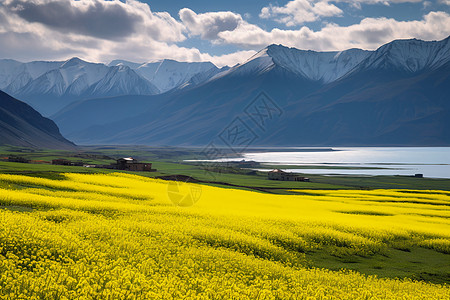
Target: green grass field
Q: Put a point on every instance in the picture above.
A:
(169, 161)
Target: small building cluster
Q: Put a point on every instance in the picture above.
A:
(278, 174)
(131, 164)
(126, 164)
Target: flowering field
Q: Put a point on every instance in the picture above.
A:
(120, 236)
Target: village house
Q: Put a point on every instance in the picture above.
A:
(131, 164)
(278, 174)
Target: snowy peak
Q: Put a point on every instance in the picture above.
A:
(71, 78)
(410, 55)
(168, 74)
(50, 83)
(119, 62)
(73, 62)
(325, 67)
(317, 66)
(171, 74)
(122, 80)
(37, 68)
(49, 86)
(258, 63)
(62, 82)
(15, 75)
(55, 84)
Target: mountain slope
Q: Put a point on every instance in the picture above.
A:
(320, 66)
(373, 109)
(21, 125)
(121, 80)
(180, 115)
(408, 56)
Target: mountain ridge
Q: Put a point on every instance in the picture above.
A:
(49, 86)
(351, 97)
(366, 106)
(167, 74)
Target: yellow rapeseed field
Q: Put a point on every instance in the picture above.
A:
(119, 236)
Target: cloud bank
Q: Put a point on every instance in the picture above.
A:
(100, 30)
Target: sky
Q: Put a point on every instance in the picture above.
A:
(223, 32)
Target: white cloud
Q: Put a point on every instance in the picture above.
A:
(300, 11)
(357, 3)
(385, 2)
(446, 2)
(110, 20)
(209, 25)
(370, 33)
(96, 30)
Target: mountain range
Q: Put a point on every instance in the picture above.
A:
(396, 95)
(50, 86)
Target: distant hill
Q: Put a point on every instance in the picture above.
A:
(397, 95)
(21, 125)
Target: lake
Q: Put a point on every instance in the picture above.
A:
(433, 162)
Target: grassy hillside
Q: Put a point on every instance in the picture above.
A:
(120, 236)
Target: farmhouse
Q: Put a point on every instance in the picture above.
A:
(61, 162)
(278, 174)
(131, 164)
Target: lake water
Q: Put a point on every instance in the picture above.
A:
(431, 161)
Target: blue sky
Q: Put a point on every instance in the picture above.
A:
(224, 32)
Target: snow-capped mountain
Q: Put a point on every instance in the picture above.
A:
(343, 98)
(324, 67)
(71, 78)
(49, 86)
(168, 74)
(76, 77)
(403, 73)
(122, 80)
(15, 75)
(318, 66)
(409, 56)
(405, 55)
